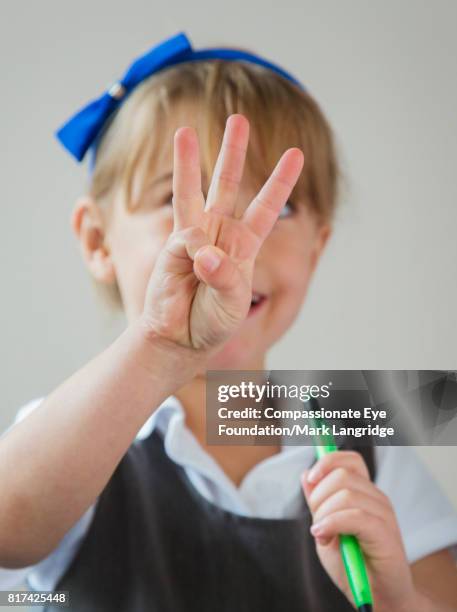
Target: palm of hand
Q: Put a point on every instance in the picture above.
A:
(234, 238)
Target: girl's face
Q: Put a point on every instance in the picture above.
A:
(283, 267)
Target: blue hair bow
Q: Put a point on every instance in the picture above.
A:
(82, 130)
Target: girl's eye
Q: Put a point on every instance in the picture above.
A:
(287, 210)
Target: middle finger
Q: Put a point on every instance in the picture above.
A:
(339, 479)
(228, 170)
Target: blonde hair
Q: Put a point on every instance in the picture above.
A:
(281, 115)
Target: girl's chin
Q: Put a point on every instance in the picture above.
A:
(236, 355)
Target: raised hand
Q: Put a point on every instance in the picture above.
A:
(201, 286)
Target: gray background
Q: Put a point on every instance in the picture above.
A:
(385, 294)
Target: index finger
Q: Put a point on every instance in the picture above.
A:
(263, 211)
(351, 460)
(188, 200)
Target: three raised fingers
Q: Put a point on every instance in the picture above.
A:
(188, 200)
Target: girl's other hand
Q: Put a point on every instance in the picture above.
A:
(201, 286)
(343, 499)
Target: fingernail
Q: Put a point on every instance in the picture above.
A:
(209, 260)
(317, 529)
(313, 475)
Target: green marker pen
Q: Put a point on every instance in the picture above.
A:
(351, 552)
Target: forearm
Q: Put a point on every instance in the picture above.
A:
(422, 601)
(428, 603)
(54, 463)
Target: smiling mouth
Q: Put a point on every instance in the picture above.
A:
(258, 299)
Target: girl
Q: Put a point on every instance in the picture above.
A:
(109, 489)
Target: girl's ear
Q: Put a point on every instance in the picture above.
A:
(88, 226)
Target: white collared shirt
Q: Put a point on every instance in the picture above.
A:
(427, 519)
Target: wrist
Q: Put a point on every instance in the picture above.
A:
(162, 359)
(420, 602)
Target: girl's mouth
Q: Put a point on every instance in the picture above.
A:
(256, 302)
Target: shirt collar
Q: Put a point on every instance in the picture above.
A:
(170, 417)
(161, 418)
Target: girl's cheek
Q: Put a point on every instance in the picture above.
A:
(134, 264)
(293, 267)
(144, 264)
